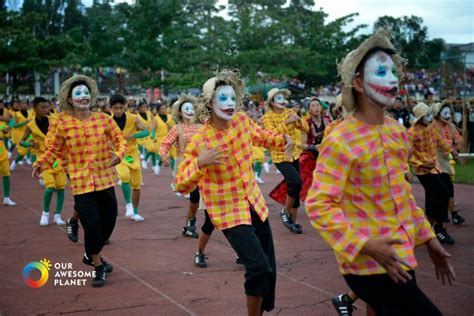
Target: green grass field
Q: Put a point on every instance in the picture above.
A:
(465, 173)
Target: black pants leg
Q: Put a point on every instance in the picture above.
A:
(207, 228)
(291, 174)
(97, 213)
(388, 298)
(194, 196)
(254, 246)
(436, 196)
(448, 183)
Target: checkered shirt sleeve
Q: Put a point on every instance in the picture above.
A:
(229, 188)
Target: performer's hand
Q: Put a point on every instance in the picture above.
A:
(36, 173)
(289, 145)
(381, 251)
(209, 156)
(114, 160)
(165, 160)
(439, 256)
(292, 118)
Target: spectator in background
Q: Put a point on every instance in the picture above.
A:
(470, 127)
(400, 113)
(457, 106)
(429, 98)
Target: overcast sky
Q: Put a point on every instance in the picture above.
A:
(452, 20)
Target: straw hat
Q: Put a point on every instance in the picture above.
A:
(175, 107)
(272, 93)
(420, 110)
(347, 67)
(66, 89)
(228, 76)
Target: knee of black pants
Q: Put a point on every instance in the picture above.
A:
(194, 196)
(258, 285)
(207, 228)
(294, 187)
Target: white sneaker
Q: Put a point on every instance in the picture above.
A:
(21, 162)
(8, 202)
(142, 156)
(13, 165)
(278, 172)
(156, 170)
(129, 210)
(119, 182)
(9, 154)
(172, 173)
(44, 221)
(41, 182)
(138, 218)
(144, 165)
(58, 220)
(259, 180)
(28, 161)
(266, 167)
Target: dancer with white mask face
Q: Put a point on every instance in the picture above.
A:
(219, 159)
(84, 138)
(361, 203)
(443, 123)
(279, 119)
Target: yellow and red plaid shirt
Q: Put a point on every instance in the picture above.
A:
(424, 140)
(229, 188)
(172, 137)
(450, 133)
(86, 146)
(359, 192)
(275, 122)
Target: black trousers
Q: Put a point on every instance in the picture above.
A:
(448, 183)
(97, 212)
(436, 196)
(208, 227)
(291, 174)
(194, 196)
(389, 298)
(254, 246)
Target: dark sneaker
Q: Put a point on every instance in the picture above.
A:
(238, 260)
(72, 227)
(190, 230)
(458, 219)
(200, 260)
(108, 267)
(444, 237)
(342, 307)
(297, 229)
(286, 219)
(100, 276)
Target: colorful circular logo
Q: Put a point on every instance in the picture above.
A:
(42, 268)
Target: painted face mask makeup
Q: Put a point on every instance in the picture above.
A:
(428, 118)
(187, 110)
(279, 101)
(81, 97)
(381, 79)
(445, 114)
(224, 102)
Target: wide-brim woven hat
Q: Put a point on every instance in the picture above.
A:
(420, 110)
(227, 76)
(273, 92)
(175, 107)
(347, 67)
(66, 89)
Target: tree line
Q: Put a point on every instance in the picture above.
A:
(190, 39)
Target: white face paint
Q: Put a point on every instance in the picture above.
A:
(381, 79)
(187, 110)
(428, 118)
(445, 114)
(81, 97)
(224, 102)
(279, 101)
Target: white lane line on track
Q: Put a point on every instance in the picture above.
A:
(134, 276)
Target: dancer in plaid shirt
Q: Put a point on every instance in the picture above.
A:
(180, 135)
(86, 138)
(360, 201)
(219, 160)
